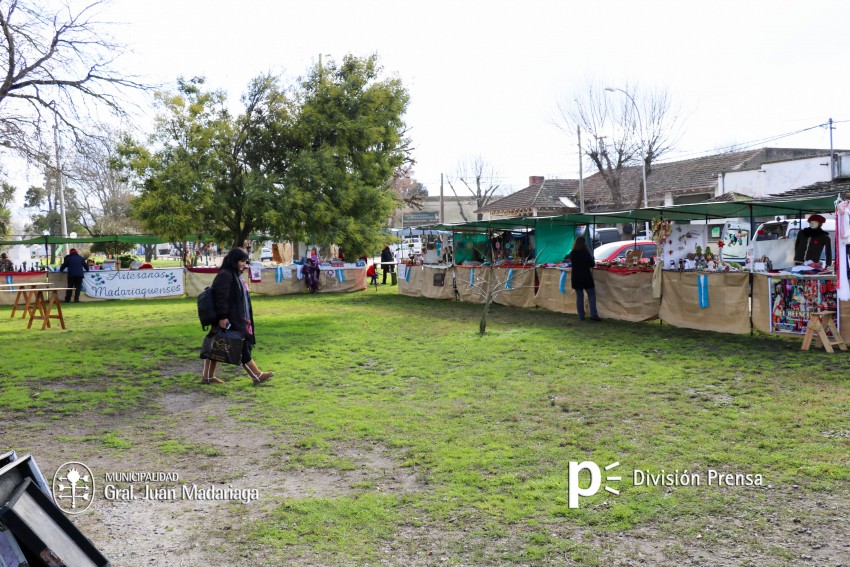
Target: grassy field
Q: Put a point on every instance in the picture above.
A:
(471, 436)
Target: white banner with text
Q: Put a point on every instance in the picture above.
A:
(133, 284)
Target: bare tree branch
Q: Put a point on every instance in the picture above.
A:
(638, 124)
(58, 65)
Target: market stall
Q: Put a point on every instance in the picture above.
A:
(473, 283)
(783, 303)
(285, 280)
(437, 281)
(625, 294)
(707, 301)
(514, 286)
(7, 297)
(411, 280)
(554, 292)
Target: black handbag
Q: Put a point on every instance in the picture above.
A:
(223, 346)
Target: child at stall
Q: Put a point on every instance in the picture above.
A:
(372, 274)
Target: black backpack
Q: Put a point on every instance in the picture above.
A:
(206, 308)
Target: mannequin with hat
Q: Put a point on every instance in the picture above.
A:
(812, 241)
(76, 266)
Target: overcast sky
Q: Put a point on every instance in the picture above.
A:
(485, 77)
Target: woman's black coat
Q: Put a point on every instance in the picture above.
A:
(582, 269)
(228, 296)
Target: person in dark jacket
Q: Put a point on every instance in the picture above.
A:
(812, 241)
(582, 278)
(233, 308)
(311, 272)
(76, 266)
(387, 262)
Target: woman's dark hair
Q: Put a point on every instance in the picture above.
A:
(231, 261)
(580, 244)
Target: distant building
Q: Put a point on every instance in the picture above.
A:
(543, 197)
(748, 174)
(430, 211)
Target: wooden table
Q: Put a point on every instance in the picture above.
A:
(821, 323)
(41, 309)
(25, 295)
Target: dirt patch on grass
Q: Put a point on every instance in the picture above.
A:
(195, 436)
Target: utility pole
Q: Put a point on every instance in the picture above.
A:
(831, 158)
(442, 205)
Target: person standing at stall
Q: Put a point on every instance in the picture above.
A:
(582, 278)
(77, 267)
(387, 263)
(233, 309)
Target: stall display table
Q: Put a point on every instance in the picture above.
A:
(708, 301)
(24, 297)
(43, 310)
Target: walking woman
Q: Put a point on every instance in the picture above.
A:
(582, 278)
(233, 309)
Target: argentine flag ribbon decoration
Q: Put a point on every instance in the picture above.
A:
(407, 273)
(563, 281)
(9, 281)
(471, 276)
(510, 277)
(278, 274)
(702, 290)
(340, 276)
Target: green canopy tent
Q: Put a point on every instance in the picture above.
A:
(555, 235)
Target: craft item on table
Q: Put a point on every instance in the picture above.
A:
(256, 272)
(702, 291)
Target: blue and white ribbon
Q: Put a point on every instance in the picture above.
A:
(340, 276)
(563, 281)
(471, 276)
(278, 274)
(9, 281)
(407, 271)
(702, 290)
(510, 277)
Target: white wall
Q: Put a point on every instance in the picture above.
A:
(776, 177)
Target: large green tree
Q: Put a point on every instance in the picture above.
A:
(310, 163)
(352, 141)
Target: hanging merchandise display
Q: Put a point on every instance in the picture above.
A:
(794, 299)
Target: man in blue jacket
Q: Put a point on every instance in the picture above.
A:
(76, 266)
